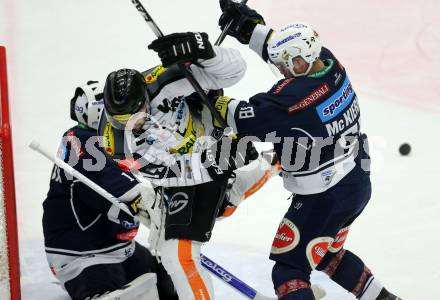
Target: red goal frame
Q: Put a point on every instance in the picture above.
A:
(8, 182)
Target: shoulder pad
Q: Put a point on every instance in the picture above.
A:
(158, 77)
(112, 139)
(82, 133)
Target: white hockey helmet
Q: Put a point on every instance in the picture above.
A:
(87, 104)
(295, 39)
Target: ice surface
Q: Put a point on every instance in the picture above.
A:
(388, 49)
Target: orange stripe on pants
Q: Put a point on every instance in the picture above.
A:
(196, 283)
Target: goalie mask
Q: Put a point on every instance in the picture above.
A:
(87, 104)
(296, 39)
(125, 95)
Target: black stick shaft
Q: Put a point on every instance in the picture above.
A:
(141, 9)
(222, 36)
(183, 68)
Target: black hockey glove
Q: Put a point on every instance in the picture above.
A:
(244, 20)
(221, 166)
(242, 157)
(183, 47)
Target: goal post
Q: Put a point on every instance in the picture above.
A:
(9, 257)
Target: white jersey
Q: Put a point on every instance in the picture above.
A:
(173, 139)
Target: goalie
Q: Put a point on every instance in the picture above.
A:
(89, 242)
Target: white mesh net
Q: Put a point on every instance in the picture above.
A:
(4, 266)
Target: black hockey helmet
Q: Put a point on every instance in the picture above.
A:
(125, 92)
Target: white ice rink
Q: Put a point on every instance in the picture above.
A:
(389, 51)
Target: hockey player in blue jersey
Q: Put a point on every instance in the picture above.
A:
(89, 242)
(312, 117)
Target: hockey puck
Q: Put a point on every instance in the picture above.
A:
(405, 149)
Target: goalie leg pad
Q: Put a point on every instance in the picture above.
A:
(142, 288)
(90, 282)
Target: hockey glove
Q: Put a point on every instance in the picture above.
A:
(244, 20)
(128, 225)
(146, 206)
(183, 47)
(241, 157)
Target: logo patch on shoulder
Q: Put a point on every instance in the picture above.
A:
(109, 140)
(286, 238)
(316, 249)
(282, 85)
(313, 97)
(152, 77)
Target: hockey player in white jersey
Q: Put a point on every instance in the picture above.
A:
(89, 242)
(149, 118)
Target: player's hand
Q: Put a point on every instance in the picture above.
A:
(183, 47)
(133, 205)
(244, 20)
(230, 202)
(128, 226)
(241, 157)
(226, 210)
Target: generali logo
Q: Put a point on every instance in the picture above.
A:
(312, 98)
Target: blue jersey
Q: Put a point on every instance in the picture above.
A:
(75, 217)
(313, 122)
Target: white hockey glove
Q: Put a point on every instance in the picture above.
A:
(152, 215)
(248, 180)
(157, 235)
(148, 205)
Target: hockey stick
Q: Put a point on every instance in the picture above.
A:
(232, 280)
(222, 36)
(242, 287)
(189, 76)
(34, 145)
